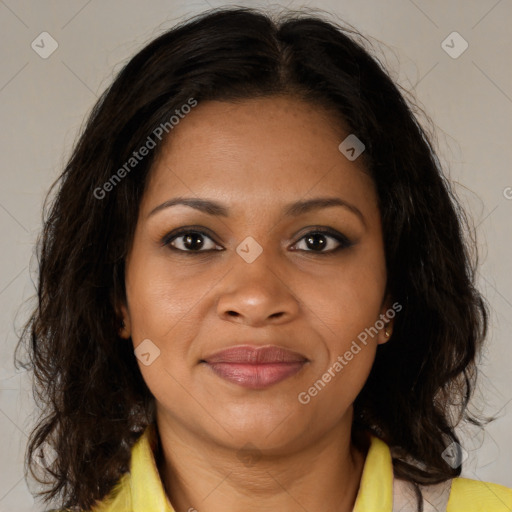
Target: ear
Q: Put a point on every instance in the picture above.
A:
(125, 323)
(387, 313)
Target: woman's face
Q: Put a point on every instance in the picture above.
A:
(256, 275)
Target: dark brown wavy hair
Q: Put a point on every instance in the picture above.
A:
(94, 402)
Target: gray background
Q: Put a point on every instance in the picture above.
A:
(43, 103)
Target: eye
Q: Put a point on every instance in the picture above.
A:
(324, 241)
(321, 241)
(189, 240)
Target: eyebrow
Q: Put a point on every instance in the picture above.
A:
(291, 210)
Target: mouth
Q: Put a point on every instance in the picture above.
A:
(255, 367)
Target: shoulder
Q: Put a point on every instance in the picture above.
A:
(469, 495)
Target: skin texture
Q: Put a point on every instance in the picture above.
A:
(255, 157)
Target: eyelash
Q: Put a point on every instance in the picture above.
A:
(344, 242)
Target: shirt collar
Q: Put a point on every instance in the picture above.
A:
(147, 491)
(146, 485)
(376, 486)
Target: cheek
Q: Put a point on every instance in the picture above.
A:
(348, 299)
(344, 311)
(161, 298)
(160, 305)
(345, 308)
(336, 388)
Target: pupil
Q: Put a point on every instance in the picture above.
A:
(320, 243)
(190, 239)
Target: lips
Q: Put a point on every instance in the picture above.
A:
(255, 367)
(254, 355)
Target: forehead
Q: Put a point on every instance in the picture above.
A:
(263, 151)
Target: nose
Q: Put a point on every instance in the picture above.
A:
(257, 293)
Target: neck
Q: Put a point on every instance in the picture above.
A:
(209, 478)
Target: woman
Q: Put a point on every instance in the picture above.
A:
(254, 288)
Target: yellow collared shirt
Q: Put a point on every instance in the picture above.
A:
(141, 489)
